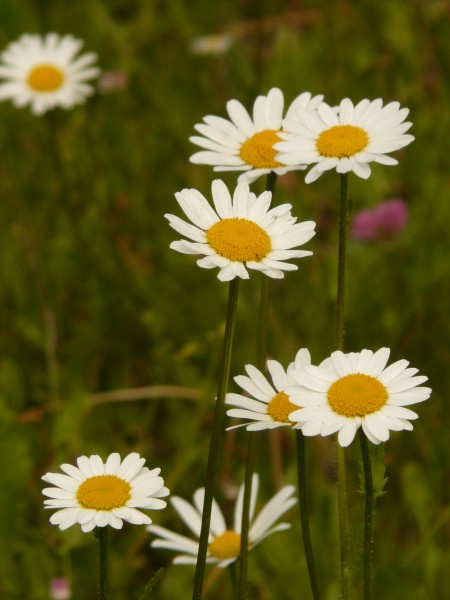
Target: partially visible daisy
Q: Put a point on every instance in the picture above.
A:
(246, 143)
(269, 406)
(347, 139)
(349, 391)
(45, 72)
(241, 233)
(96, 494)
(224, 543)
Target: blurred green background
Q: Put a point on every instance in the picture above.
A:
(93, 301)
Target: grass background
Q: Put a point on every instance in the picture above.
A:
(92, 300)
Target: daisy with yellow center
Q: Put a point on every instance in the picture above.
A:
(45, 72)
(346, 138)
(224, 542)
(240, 233)
(246, 143)
(269, 406)
(349, 391)
(96, 494)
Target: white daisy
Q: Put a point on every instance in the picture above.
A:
(224, 543)
(244, 143)
(44, 72)
(347, 139)
(348, 391)
(241, 232)
(96, 494)
(269, 406)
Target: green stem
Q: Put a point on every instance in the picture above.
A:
(304, 518)
(216, 437)
(102, 534)
(368, 516)
(339, 345)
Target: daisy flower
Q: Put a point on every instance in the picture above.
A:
(96, 494)
(270, 405)
(348, 391)
(45, 72)
(240, 233)
(346, 139)
(224, 543)
(245, 143)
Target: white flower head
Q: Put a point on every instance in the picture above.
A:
(97, 493)
(349, 391)
(240, 233)
(346, 139)
(246, 143)
(224, 543)
(44, 72)
(269, 405)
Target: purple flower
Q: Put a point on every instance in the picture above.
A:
(385, 220)
(60, 589)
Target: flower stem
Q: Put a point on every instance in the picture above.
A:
(216, 437)
(102, 535)
(304, 519)
(339, 345)
(368, 516)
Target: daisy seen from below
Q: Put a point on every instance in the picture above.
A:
(224, 543)
(97, 493)
(44, 72)
(246, 143)
(239, 233)
(349, 391)
(269, 405)
(346, 139)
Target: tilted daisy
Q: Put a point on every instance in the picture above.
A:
(224, 543)
(96, 494)
(349, 391)
(270, 405)
(347, 139)
(241, 233)
(45, 72)
(244, 142)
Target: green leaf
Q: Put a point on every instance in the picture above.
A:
(151, 584)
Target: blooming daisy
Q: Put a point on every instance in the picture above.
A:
(96, 494)
(269, 406)
(224, 543)
(241, 232)
(244, 143)
(348, 391)
(44, 72)
(347, 139)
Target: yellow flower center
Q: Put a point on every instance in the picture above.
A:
(357, 395)
(103, 492)
(342, 140)
(258, 151)
(227, 545)
(280, 407)
(239, 240)
(45, 78)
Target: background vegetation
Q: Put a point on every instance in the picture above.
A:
(93, 301)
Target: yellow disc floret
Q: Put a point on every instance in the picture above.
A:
(357, 395)
(258, 151)
(227, 545)
(342, 141)
(45, 78)
(103, 492)
(239, 240)
(280, 408)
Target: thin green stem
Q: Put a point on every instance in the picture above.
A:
(368, 516)
(339, 345)
(216, 437)
(304, 518)
(102, 535)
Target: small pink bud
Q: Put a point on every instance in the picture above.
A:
(60, 589)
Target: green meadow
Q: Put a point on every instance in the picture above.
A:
(110, 341)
